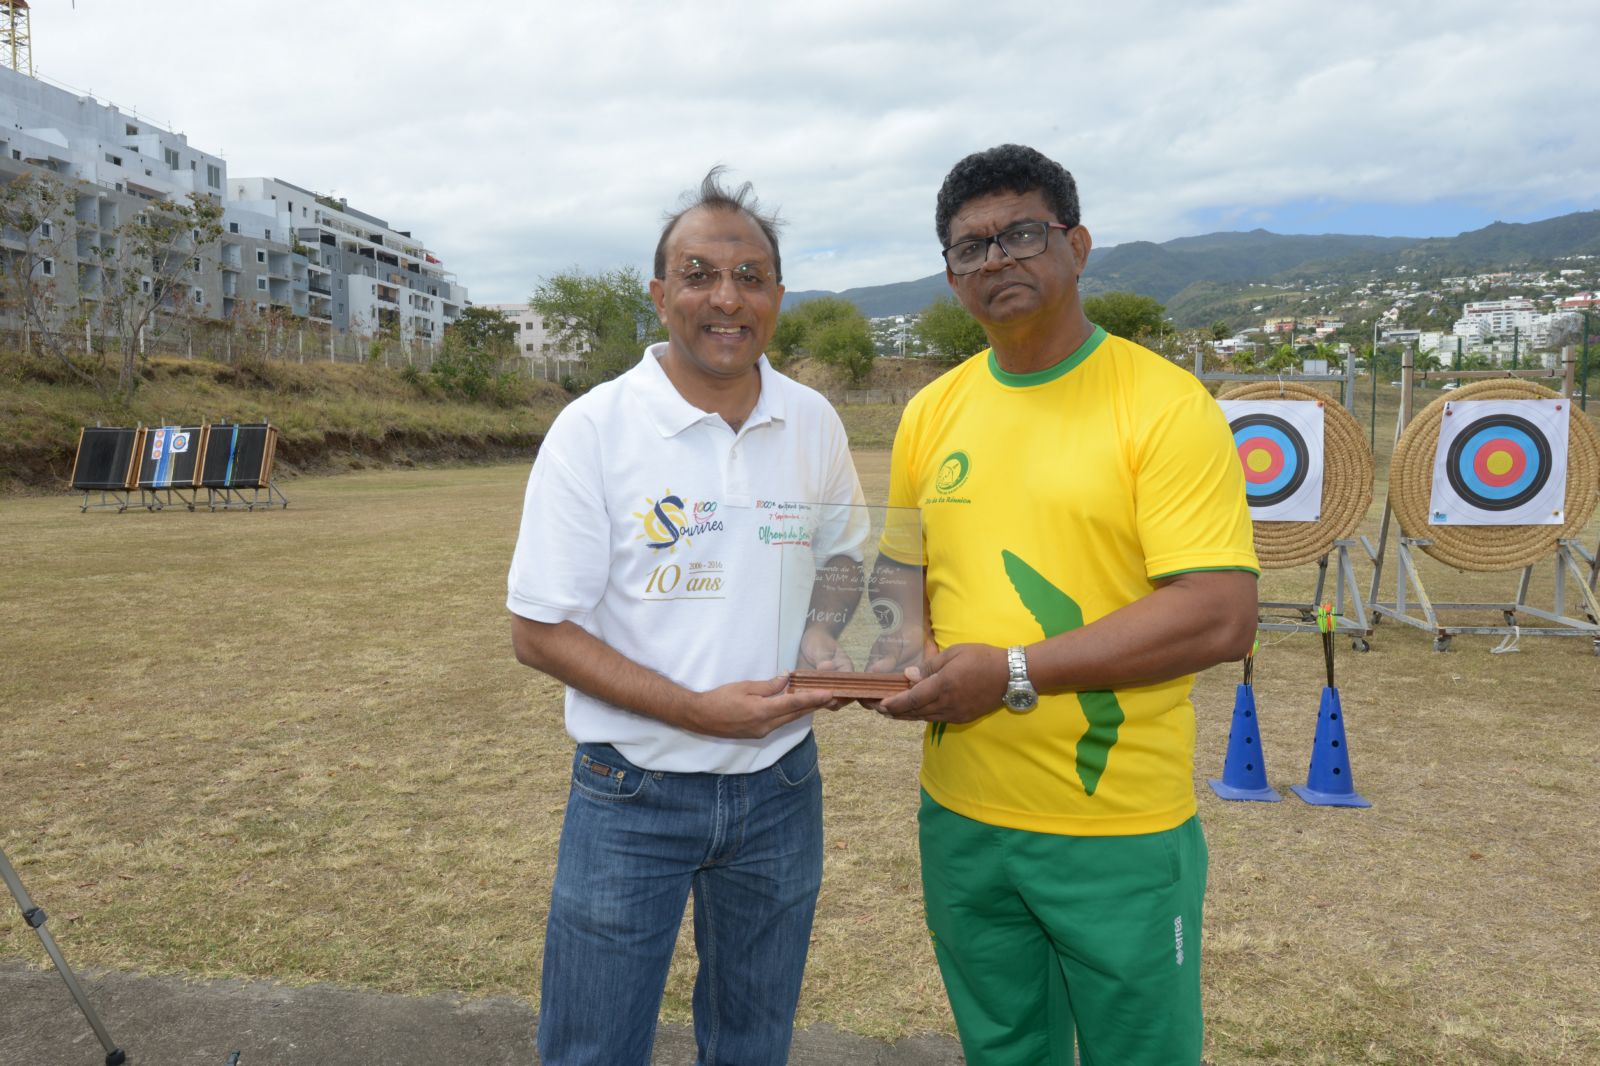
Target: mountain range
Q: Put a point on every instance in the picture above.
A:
(1183, 267)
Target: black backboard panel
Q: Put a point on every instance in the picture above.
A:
(239, 456)
(105, 458)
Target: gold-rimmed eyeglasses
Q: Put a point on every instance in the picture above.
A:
(698, 274)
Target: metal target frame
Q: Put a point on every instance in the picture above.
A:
(1350, 615)
(249, 488)
(1412, 604)
(114, 494)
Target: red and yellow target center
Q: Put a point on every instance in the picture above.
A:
(1499, 463)
(1262, 461)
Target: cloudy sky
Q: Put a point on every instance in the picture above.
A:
(521, 139)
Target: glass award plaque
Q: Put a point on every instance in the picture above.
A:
(850, 595)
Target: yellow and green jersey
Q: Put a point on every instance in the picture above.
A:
(1050, 500)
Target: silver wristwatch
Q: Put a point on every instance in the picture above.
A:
(1020, 694)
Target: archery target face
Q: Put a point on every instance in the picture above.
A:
(1500, 463)
(1280, 448)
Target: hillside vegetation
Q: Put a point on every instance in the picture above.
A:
(1225, 275)
(330, 416)
(342, 416)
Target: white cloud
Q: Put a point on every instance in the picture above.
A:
(521, 140)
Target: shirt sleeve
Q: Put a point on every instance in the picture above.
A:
(562, 560)
(1189, 492)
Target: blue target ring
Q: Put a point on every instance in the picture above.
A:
(1274, 457)
(1500, 463)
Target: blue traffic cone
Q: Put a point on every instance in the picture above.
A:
(1244, 771)
(1328, 782)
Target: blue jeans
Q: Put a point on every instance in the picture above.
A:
(633, 844)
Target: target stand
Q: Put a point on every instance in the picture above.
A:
(1349, 615)
(238, 467)
(1503, 465)
(1278, 451)
(1422, 613)
(107, 464)
(170, 459)
(171, 465)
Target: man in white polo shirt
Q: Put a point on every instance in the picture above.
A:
(645, 578)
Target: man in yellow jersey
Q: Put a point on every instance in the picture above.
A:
(1087, 549)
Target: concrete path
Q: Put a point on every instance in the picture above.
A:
(166, 1021)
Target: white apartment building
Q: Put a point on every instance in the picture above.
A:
(532, 340)
(79, 138)
(534, 343)
(112, 162)
(1496, 318)
(363, 275)
(284, 249)
(1487, 320)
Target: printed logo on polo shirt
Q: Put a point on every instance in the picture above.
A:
(951, 476)
(668, 520)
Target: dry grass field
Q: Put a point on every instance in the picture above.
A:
(294, 745)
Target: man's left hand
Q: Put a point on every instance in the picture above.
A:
(960, 684)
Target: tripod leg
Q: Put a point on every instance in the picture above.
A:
(36, 919)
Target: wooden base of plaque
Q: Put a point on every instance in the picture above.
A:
(851, 686)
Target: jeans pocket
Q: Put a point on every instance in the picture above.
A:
(600, 773)
(798, 765)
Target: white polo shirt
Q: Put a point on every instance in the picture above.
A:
(650, 523)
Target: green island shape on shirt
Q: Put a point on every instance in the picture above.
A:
(1056, 612)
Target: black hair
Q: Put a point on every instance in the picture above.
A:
(713, 197)
(1013, 168)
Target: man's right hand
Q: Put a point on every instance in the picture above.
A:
(749, 709)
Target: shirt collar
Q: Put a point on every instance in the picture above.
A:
(671, 414)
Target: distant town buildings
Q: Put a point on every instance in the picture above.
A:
(284, 251)
(1487, 320)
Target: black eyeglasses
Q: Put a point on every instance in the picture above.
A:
(1022, 241)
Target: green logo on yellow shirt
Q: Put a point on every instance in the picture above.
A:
(1056, 612)
(952, 472)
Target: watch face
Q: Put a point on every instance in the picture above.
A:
(1021, 699)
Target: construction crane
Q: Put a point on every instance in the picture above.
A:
(16, 46)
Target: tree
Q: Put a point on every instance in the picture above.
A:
(34, 216)
(1282, 358)
(832, 331)
(484, 329)
(846, 344)
(1220, 330)
(1127, 314)
(473, 349)
(949, 332)
(150, 271)
(135, 279)
(606, 317)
